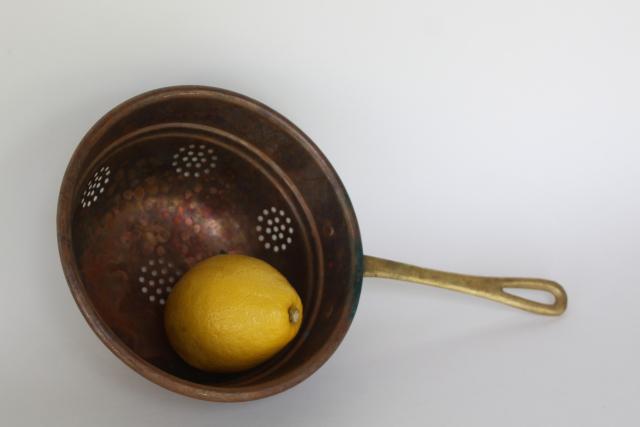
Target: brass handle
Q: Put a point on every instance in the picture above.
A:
(492, 288)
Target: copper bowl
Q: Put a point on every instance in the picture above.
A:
(179, 174)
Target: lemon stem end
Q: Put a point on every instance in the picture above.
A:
(294, 315)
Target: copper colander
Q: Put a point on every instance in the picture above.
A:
(179, 174)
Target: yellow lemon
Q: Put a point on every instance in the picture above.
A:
(230, 313)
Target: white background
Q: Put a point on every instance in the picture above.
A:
(486, 137)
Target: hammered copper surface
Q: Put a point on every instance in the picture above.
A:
(180, 174)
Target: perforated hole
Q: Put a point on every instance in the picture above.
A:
(95, 186)
(194, 161)
(157, 282)
(272, 230)
(535, 295)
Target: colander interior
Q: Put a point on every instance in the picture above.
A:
(161, 201)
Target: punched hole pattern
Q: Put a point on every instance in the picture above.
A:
(194, 161)
(156, 279)
(96, 186)
(275, 229)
